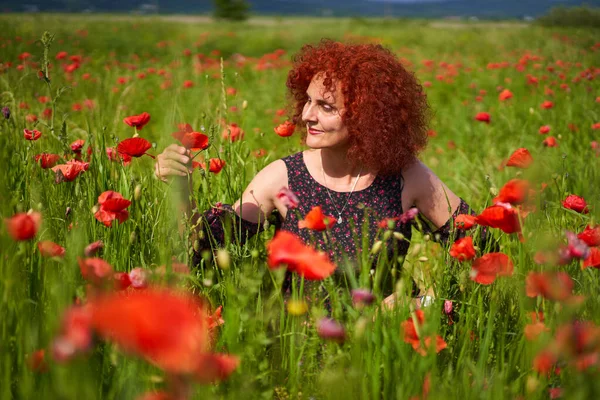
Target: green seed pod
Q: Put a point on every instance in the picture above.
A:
(137, 192)
(398, 236)
(376, 247)
(223, 259)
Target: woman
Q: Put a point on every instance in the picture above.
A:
(364, 119)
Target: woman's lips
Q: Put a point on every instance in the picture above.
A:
(314, 131)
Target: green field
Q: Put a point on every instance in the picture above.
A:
(182, 69)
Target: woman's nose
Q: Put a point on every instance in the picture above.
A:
(309, 114)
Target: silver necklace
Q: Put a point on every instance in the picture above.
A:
(339, 213)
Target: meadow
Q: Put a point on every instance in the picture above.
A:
(529, 331)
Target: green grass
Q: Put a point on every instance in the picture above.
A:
(487, 357)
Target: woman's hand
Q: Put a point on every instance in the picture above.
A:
(173, 161)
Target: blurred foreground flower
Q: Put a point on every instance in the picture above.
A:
(488, 267)
(329, 329)
(412, 334)
(286, 248)
(316, 220)
(50, 249)
(288, 198)
(23, 226)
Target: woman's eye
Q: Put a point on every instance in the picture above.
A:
(326, 107)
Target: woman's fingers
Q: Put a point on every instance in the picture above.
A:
(173, 161)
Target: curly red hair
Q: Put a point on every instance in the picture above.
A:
(386, 108)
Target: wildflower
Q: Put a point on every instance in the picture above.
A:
(551, 285)
(69, 171)
(285, 130)
(411, 335)
(362, 297)
(195, 141)
(505, 95)
(112, 206)
(50, 249)
(95, 270)
(591, 236)
(547, 104)
(501, 216)
(296, 307)
(76, 334)
(93, 248)
(288, 198)
(576, 203)
(23, 226)
(550, 141)
(409, 215)
(31, 134)
(514, 192)
(233, 133)
(463, 249)
(483, 117)
(316, 220)
(286, 248)
(36, 361)
(121, 281)
(138, 121)
(486, 268)
(77, 145)
(215, 165)
(47, 160)
(520, 158)
(329, 329)
(575, 248)
(464, 221)
(544, 129)
(593, 259)
(6, 112)
(188, 84)
(536, 328)
(134, 147)
(139, 278)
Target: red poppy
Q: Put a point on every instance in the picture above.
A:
(576, 203)
(544, 129)
(286, 248)
(112, 206)
(463, 249)
(95, 270)
(93, 248)
(215, 367)
(182, 130)
(520, 158)
(23, 226)
(195, 141)
(551, 285)
(483, 117)
(505, 95)
(579, 343)
(316, 220)
(547, 104)
(593, 260)
(134, 147)
(31, 134)
(36, 361)
(550, 141)
(114, 155)
(76, 333)
(544, 362)
(411, 335)
(287, 198)
(77, 145)
(596, 126)
(591, 236)
(174, 336)
(121, 281)
(514, 192)
(69, 171)
(47, 160)
(464, 221)
(233, 132)
(486, 268)
(286, 129)
(138, 121)
(50, 249)
(501, 216)
(188, 84)
(215, 165)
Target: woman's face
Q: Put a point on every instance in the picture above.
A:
(322, 115)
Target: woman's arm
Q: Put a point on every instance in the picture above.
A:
(248, 213)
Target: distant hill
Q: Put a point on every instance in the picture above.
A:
(494, 9)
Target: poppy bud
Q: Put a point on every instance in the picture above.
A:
(6, 112)
(427, 237)
(398, 236)
(137, 192)
(387, 235)
(423, 259)
(223, 259)
(95, 209)
(494, 191)
(376, 247)
(254, 253)
(245, 104)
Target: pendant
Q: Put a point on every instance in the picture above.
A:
(339, 220)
